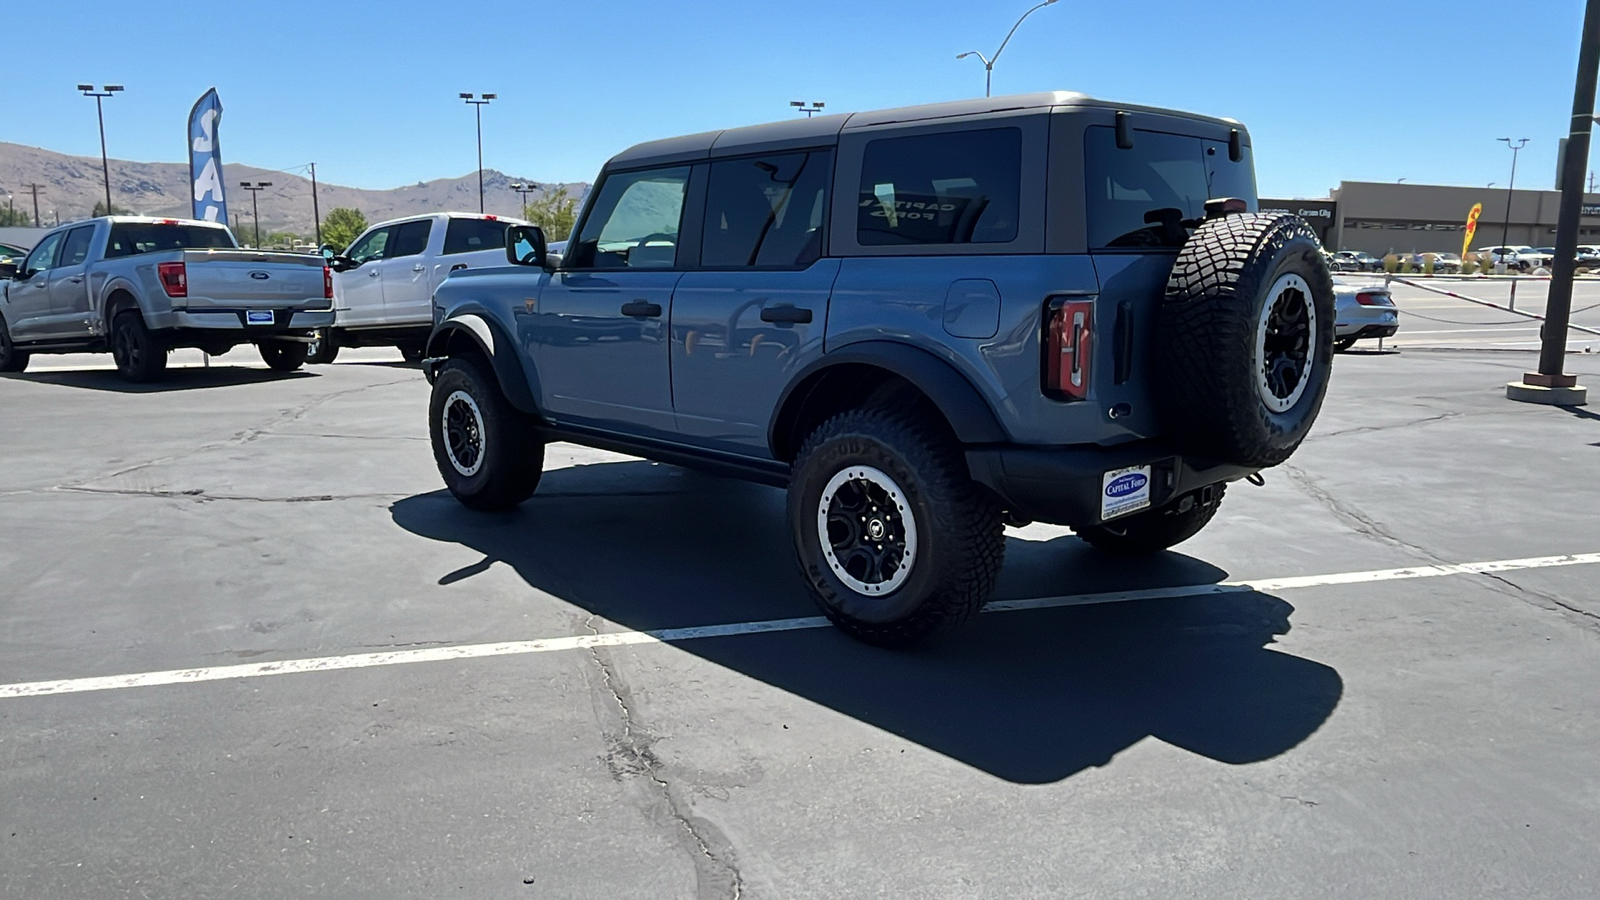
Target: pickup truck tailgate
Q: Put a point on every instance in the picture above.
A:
(240, 279)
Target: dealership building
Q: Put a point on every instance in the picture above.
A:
(1405, 218)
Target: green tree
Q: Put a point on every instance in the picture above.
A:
(10, 217)
(555, 212)
(341, 226)
(100, 210)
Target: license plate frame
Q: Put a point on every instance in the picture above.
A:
(259, 317)
(1125, 491)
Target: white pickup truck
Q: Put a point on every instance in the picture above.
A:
(384, 283)
(139, 287)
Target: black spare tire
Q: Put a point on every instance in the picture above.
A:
(1245, 337)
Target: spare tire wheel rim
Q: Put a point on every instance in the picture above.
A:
(1286, 343)
(867, 531)
(462, 427)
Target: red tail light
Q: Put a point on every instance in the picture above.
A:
(1069, 340)
(174, 278)
(1369, 298)
(327, 283)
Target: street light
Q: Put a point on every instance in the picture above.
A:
(989, 61)
(105, 164)
(479, 103)
(523, 190)
(1516, 147)
(255, 210)
(815, 105)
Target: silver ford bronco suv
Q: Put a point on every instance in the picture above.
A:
(924, 323)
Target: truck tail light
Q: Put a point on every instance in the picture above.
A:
(327, 283)
(174, 278)
(1068, 346)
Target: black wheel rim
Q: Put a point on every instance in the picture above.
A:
(869, 536)
(127, 349)
(463, 433)
(1286, 342)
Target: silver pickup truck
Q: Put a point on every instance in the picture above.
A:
(139, 287)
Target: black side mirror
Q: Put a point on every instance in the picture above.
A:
(341, 263)
(10, 268)
(525, 246)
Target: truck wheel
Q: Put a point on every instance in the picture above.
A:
(139, 357)
(11, 359)
(413, 353)
(894, 538)
(282, 356)
(1245, 339)
(324, 347)
(488, 452)
(1154, 530)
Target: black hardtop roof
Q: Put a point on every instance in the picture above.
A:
(818, 130)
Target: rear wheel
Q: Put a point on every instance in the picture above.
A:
(413, 353)
(488, 452)
(1156, 529)
(283, 356)
(11, 359)
(139, 357)
(894, 538)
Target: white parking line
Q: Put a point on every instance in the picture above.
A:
(673, 635)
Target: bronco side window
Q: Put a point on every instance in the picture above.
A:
(766, 211)
(634, 223)
(957, 187)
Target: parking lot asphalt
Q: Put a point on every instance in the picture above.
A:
(1433, 321)
(1349, 735)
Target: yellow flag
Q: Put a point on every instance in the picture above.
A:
(1472, 228)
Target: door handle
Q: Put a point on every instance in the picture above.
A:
(418, 267)
(786, 315)
(373, 274)
(641, 309)
(76, 279)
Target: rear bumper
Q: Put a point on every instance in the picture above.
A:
(1063, 485)
(283, 320)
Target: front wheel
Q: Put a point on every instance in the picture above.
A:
(1155, 530)
(1342, 344)
(488, 452)
(323, 348)
(894, 538)
(413, 353)
(11, 359)
(139, 357)
(283, 356)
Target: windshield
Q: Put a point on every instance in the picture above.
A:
(131, 238)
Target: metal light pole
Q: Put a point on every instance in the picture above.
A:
(814, 107)
(479, 103)
(523, 190)
(1550, 384)
(989, 61)
(255, 210)
(105, 163)
(1516, 147)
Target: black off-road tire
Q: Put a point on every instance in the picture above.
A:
(11, 359)
(324, 347)
(959, 536)
(283, 356)
(488, 452)
(1152, 530)
(140, 358)
(1228, 287)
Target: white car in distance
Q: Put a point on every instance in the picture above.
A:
(383, 283)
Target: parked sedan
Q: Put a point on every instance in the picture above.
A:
(1446, 263)
(1362, 311)
(1356, 261)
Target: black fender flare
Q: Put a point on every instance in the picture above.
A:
(496, 344)
(969, 414)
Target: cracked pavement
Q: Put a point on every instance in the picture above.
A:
(1423, 738)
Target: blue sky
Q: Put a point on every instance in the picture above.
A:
(1356, 90)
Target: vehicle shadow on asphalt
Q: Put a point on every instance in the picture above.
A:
(184, 379)
(1030, 697)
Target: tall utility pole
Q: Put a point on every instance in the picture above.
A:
(105, 163)
(479, 103)
(35, 188)
(1516, 147)
(809, 109)
(989, 61)
(523, 190)
(254, 189)
(316, 213)
(1550, 384)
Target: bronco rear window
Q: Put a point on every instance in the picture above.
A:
(130, 238)
(1138, 198)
